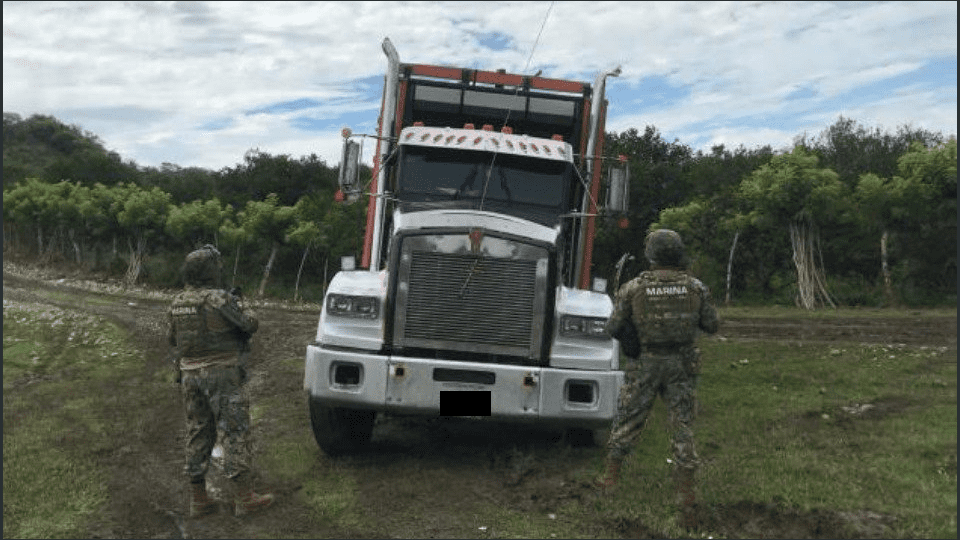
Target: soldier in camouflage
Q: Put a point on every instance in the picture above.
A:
(209, 335)
(657, 318)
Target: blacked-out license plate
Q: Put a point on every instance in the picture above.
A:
(465, 403)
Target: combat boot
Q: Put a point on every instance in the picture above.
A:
(200, 503)
(251, 501)
(686, 497)
(611, 476)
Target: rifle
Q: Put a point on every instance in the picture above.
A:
(625, 333)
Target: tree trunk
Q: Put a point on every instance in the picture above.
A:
(236, 261)
(885, 267)
(136, 260)
(811, 282)
(39, 239)
(266, 271)
(296, 287)
(730, 266)
(76, 247)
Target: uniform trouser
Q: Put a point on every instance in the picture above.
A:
(214, 398)
(672, 376)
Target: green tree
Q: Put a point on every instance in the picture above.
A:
(234, 234)
(72, 219)
(98, 211)
(876, 198)
(310, 230)
(851, 149)
(793, 193)
(268, 220)
(196, 223)
(927, 216)
(261, 174)
(141, 214)
(657, 181)
(184, 184)
(24, 202)
(706, 225)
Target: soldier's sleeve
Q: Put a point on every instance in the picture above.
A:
(621, 310)
(620, 325)
(245, 321)
(709, 321)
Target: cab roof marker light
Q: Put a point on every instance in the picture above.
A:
(557, 137)
(507, 129)
(418, 124)
(468, 126)
(488, 127)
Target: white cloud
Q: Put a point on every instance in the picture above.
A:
(750, 138)
(155, 74)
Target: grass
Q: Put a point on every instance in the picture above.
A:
(783, 424)
(54, 363)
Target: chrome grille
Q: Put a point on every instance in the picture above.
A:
(465, 300)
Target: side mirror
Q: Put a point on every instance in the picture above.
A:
(618, 187)
(349, 166)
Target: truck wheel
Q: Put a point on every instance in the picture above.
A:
(340, 431)
(581, 437)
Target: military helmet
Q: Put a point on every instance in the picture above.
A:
(665, 248)
(202, 267)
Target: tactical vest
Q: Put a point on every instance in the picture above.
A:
(199, 329)
(666, 307)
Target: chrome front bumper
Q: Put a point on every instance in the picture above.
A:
(346, 378)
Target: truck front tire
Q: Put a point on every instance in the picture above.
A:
(338, 430)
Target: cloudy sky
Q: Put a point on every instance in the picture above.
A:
(200, 83)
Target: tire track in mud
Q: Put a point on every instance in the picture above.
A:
(905, 330)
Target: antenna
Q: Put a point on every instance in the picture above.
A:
(486, 182)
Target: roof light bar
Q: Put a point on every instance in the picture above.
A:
(488, 139)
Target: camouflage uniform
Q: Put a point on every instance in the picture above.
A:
(657, 318)
(667, 308)
(210, 333)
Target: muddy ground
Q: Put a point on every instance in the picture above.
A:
(511, 466)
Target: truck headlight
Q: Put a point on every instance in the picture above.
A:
(590, 327)
(362, 307)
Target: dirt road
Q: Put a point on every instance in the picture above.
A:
(516, 467)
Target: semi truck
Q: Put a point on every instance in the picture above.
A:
(473, 295)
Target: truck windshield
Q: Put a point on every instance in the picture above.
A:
(444, 178)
